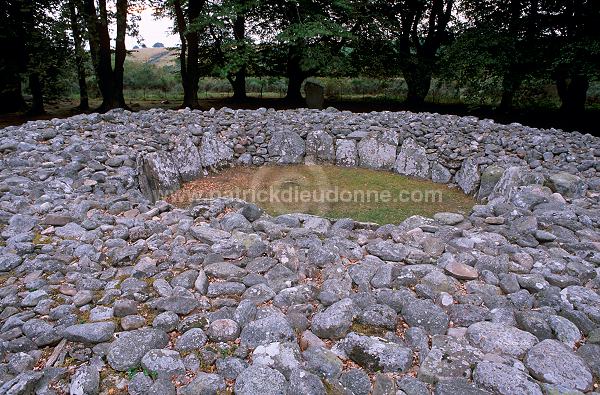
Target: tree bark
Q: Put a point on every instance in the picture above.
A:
(189, 54)
(11, 98)
(238, 81)
(35, 86)
(120, 54)
(295, 75)
(110, 82)
(79, 60)
(418, 81)
(418, 52)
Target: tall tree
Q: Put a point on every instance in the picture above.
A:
(226, 49)
(311, 32)
(34, 31)
(13, 61)
(499, 40)
(188, 24)
(74, 19)
(572, 30)
(419, 28)
(109, 79)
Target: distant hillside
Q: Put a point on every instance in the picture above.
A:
(159, 57)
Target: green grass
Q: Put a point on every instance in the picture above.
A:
(329, 191)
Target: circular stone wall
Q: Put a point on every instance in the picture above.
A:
(99, 276)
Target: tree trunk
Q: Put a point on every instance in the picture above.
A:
(189, 54)
(35, 86)
(11, 98)
(418, 81)
(79, 61)
(239, 82)
(510, 84)
(239, 85)
(120, 54)
(295, 75)
(573, 93)
(110, 82)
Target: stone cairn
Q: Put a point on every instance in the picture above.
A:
(105, 288)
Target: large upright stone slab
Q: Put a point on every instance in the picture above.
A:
(512, 178)
(158, 175)
(489, 178)
(186, 157)
(568, 185)
(467, 177)
(214, 153)
(287, 146)
(412, 160)
(319, 147)
(345, 153)
(315, 95)
(378, 150)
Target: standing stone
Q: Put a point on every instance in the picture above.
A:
(512, 178)
(345, 153)
(467, 176)
(315, 95)
(489, 178)
(158, 175)
(378, 150)
(439, 174)
(187, 158)
(568, 185)
(214, 153)
(319, 148)
(288, 146)
(412, 160)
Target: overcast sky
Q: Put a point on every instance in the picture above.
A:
(153, 30)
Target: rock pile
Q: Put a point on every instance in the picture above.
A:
(104, 288)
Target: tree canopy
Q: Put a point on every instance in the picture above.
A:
(476, 43)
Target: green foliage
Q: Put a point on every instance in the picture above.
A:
(131, 372)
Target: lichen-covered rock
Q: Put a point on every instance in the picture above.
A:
(288, 147)
(158, 175)
(335, 321)
(346, 153)
(186, 157)
(376, 354)
(552, 362)
(412, 160)
(503, 379)
(261, 380)
(214, 153)
(266, 330)
(378, 151)
(127, 351)
(319, 148)
(467, 177)
(449, 358)
(568, 185)
(501, 339)
(489, 178)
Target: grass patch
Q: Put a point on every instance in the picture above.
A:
(329, 191)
